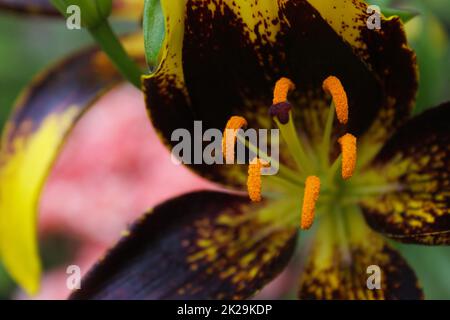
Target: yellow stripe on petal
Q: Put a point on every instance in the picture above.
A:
(170, 68)
(259, 22)
(259, 19)
(31, 140)
(21, 176)
(347, 18)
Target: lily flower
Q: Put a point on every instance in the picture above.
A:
(353, 164)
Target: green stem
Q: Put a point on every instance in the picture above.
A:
(108, 41)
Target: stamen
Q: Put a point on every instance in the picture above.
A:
(334, 86)
(310, 197)
(254, 179)
(348, 150)
(281, 112)
(281, 90)
(229, 137)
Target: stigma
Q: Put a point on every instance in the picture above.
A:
(281, 108)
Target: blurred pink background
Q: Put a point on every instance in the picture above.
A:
(112, 169)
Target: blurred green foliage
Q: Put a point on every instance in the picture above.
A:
(28, 45)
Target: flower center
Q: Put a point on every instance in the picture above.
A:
(313, 171)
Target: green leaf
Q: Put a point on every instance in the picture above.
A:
(404, 14)
(388, 11)
(154, 31)
(431, 265)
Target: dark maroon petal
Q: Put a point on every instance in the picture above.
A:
(203, 245)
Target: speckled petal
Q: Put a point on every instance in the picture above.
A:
(341, 267)
(416, 162)
(204, 245)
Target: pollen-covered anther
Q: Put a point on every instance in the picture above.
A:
(310, 197)
(281, 90)
(229, 137)
(254, 178)
(334, 87)
(348, 150)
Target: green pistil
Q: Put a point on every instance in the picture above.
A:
(333, 170)
(291, 187)
(296, 148)
(291, 177)
(342, 232)
(324, 150)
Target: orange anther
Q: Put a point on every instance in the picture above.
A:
(254, 179)
(334, 86)
(281, 90)
(348, 150)
(229, 137)
(310, 197)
